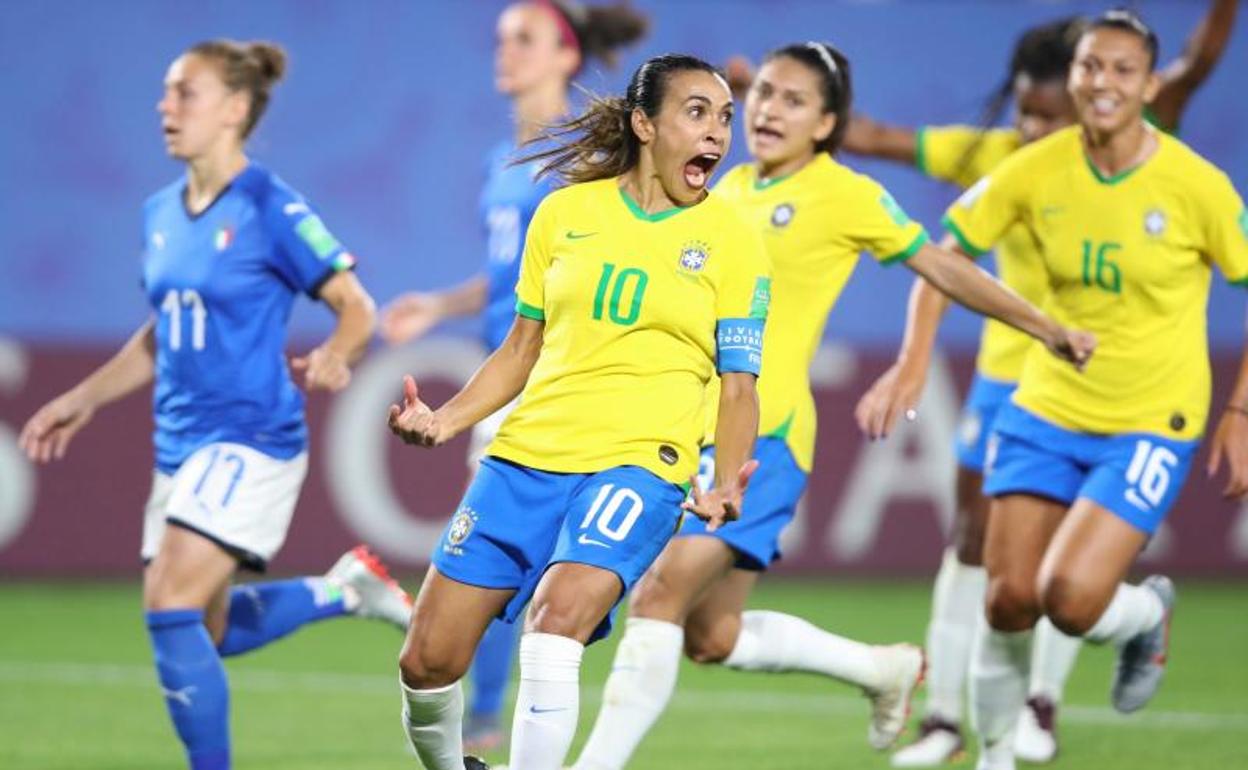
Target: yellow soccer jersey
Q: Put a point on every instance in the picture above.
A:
(963, 155)
(1127, 258)
(814, 224)
(631, 304)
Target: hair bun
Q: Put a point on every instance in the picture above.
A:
(271, 58)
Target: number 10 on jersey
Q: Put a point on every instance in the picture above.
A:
(630, 280)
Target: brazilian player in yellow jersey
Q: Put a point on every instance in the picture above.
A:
(961, 155)
(636, 287)
(816, 216)
(1130, 223)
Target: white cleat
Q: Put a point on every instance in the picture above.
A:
(999, 756)
(938, 742)
(1035, 737)
(376, 595)
(903, 666)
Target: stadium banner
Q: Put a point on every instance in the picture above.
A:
(872, 508)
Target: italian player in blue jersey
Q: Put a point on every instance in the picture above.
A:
(636, 287)
(227, 249)
(540, 47)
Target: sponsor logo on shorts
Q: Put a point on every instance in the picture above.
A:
(461, 527)
(587, 540)
(668, 454)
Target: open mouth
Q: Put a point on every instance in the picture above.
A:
(698, 169)
(767, 134)
(1103, 106)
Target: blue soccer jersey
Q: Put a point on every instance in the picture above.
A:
(222, 284)
(508, 200)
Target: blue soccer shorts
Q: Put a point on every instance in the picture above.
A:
(983, 402)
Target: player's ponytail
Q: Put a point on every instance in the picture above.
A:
(600, 143)
(253, 67)
(836, 84)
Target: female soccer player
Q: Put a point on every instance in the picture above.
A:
(635, 288)
(228, 247)
(1128, 221)
(815, 216)
(962, 155)
(541, 47)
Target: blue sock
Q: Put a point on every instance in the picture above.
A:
(491, 668)
(193, 681)
(262, 612)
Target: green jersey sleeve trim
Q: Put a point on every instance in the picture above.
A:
(920, 151)
(530, 312)
(957, 233)
(919, 242)
(1240, 282)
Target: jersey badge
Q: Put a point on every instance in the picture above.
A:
(761, 299)
(223, 237)
(460, 529)
(1155, 222)
(782, 215)
(693, 256)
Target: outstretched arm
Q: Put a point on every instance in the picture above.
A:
(411, 315)
(880, 140)
(47, 434)
(1182, 77)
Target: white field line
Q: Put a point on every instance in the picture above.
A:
(705, 701)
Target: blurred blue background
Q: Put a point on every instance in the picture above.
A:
(388, 111)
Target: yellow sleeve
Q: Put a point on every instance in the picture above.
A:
(882, 227)
(984, 212)
(1226, 230)
(962, 154)
(531, 290)
(745, 287)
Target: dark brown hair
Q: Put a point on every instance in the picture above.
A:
(252, 66)
(602, 29)
(600, 143)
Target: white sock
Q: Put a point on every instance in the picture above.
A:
(434, 722)
(1052, 657)
(998, 684)
(642, 680)
(1132, 610)
(957, 604)
(773, 641)
(548, 703)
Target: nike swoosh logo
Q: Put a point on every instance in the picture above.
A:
(536, 710)
(586, 540)
(575, 236)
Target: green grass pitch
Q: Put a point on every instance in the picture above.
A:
(77, 691)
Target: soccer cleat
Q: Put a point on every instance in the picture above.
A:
(1142, 660)
(482, 734)
(1035, 737)
(903, 666)
(475, 763)
(377, 595)
(996, 756)
(938, 742)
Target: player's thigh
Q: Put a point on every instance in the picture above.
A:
(686, 569)
(572, 599)
(188, 570)
(1019, 530)
(1089, 556)
(970, 516)
(714, 624)
(448, 620)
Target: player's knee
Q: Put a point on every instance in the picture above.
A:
(1070, 608)
(560, 615)
(1012, 604)
(708, 646)
(423, 667)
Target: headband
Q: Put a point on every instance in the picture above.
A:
(822, 50)
(567, 34)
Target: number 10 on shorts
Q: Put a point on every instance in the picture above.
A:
(610, 504)
(1149, 474)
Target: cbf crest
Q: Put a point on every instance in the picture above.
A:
(1155, 222)
(461, 527)
(693, 256)
(782, 215)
